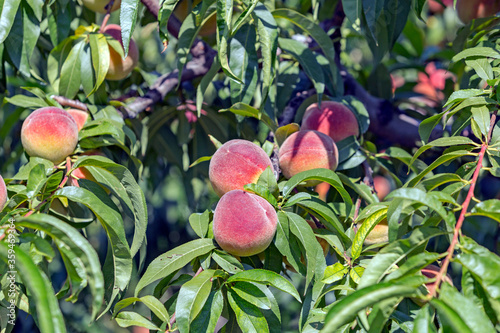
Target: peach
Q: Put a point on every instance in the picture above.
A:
(244, 223)
(379, 234)
(83, 173)
(181, 12)
(334, 119)
(3, 193)
(50, 133)
(436, 8)
(468, 10)
(307, 150)
(235, 164)
(79, 116)
(99, 6)
(119, 68)
(382, 186)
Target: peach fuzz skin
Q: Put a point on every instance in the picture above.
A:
(99, 6)
(379, 234)
(3, 193)
(468, 10)
(50, 133)
(119, 68)
(80, 117)
(334, 119)
(307, 150)
(244, 223)
(235, 164)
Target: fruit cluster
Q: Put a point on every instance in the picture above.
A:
(244, 223)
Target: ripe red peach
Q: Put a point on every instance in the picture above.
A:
(244, 223)
(83, 173)
(332, 118)
(119, 68)
(3, 193)
(99, 6)
(436, 8)
(235, 164)
(80, 117)
(379, 234)
(382, 186)
(50, 133)
(307, 150)
(468, 10)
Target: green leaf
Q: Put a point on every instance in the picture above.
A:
(70, 242)
(284, 132)
(322, 210)
(224, 20)
(127, 319)
(122, 183)
(393, 253)
(227, 262)
(356, 273)
(166, 9)
(192, 296)
(307, 60)
(42, 295)
(246, 110)
(424, 320)
(128, 18)
(482, 67)
(151, 302)
(266, 277)
(443, 142)
(345, 310)
(285, 244)
(173, 260)
(267, 31)
(7, 16)
(334, 272)
(100, 58)
(482, 52)
(323, 175)
(204, 83)
(366, 227)
(70, 82)
(489, 208)
(472, 315)
(112, 222)
(56, 60)
(448, 157)
(315, 258)
(261, 191)
(318, 34)
(199, 223)
(482, 117)
(483, 264)
(450, 319)
(244, 63)
(296, 198)
(414, 264)
(209, 314)
(250, 319)
(252, 294)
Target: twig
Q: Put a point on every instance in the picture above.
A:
(69, 102)
(444, 268)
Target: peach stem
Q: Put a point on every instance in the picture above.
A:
(108, 14)
(444, 268)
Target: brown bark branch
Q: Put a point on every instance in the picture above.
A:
(69, 102)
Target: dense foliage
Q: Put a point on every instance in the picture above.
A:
(121, 234)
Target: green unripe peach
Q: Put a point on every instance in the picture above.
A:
(99, 6)
(50, 133)
(244, 223)
(119, 68)
(3, 193)
(333, 119)
(379, 234)
(307, 150)
(235, 164)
